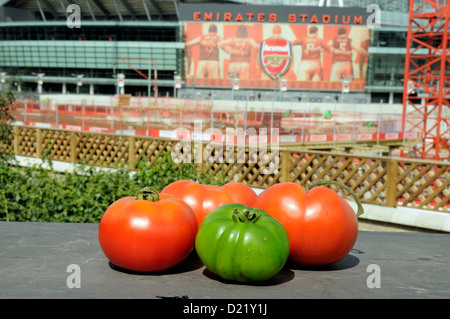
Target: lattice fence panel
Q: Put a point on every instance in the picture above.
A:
(365, 176)
(26, 142)
(151, 149)
(253, 167)
(424, 185)
(103, 150)
(6, 148)
(56, 144)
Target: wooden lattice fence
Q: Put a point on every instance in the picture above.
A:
(376, 180)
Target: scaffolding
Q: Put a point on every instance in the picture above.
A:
(427, 78)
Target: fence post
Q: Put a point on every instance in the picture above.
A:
(131, 152)
(73, 147)
(38, 143)
(16, 139)
(285, 163)
(391, 183)
(198, 158)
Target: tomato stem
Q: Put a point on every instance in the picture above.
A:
(322, 182)
(148, 193)
(245, 216)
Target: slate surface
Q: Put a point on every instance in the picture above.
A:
(35, 261)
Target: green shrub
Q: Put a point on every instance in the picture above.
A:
(39, 193)
(6, 99)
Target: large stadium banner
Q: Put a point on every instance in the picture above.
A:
(307, 47)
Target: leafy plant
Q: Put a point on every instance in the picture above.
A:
(39, 193)
(6, 118)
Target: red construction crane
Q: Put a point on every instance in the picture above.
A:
(426, 95)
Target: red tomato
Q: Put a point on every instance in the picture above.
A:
(146, 235)
(322, 226)
(240, 193)
(203, 199)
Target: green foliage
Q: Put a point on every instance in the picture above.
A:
(6, 118)
(39, 193)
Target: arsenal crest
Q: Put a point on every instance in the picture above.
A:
(275, 56)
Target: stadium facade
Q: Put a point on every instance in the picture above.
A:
(49, 47)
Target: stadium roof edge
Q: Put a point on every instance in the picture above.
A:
(124, 23)
(52, 10)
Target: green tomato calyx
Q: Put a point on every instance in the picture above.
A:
(148, 193)
(245, 216)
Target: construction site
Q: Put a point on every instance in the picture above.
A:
(304, 125)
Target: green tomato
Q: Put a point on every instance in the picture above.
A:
(242, 243)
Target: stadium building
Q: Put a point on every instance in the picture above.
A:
(51, 46)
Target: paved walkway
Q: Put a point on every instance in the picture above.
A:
(41, 260)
